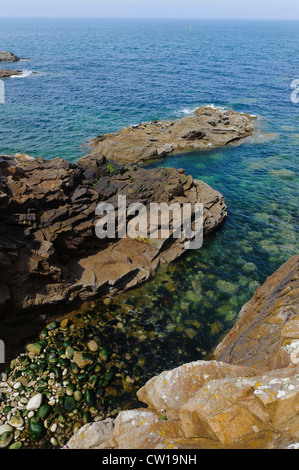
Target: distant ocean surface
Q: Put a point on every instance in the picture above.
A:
(99, 75)
(96, 76)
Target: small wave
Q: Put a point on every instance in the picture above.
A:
(25, 73)
(186, 111)
(212, 105)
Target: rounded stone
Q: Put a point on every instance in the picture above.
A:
(44, 411)
(77, 395)
(69, 403)
(16, 445)
(35, 402)
(5, 439)
(16, 421)
(35, 429)
(6, 435)
(92, 345)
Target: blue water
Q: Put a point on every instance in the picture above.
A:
(96, 76)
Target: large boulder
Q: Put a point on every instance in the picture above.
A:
(232, 409)
(172, 389)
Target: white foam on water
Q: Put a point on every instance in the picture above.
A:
(188, 111)
(25, 73)
(212, 105)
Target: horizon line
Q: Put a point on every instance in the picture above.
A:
(148, 18)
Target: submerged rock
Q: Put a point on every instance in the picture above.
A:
(260, 338)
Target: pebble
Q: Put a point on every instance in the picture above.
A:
(5, 428)
(16, 421)
(77, 395)
(35, 402)
(6, 435)
(92, 345)
(53, 428)
(16, 445)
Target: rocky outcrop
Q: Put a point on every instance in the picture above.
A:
(208, 128)
(247, 397)
(49, 252)
(8, 57)
(5, 73)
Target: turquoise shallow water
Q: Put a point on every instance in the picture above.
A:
(95, 76)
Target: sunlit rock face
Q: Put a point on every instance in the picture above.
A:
(207, 128)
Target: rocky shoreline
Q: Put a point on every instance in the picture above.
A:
(5, 73)
(246, 396)
(9, 57)
(207, 128)
(50, 256)
(72, 375)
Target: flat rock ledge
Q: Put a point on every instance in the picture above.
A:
(246, 398)
(5, 73)
(50, 254)
(207, 128)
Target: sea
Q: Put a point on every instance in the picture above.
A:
(99, 75)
